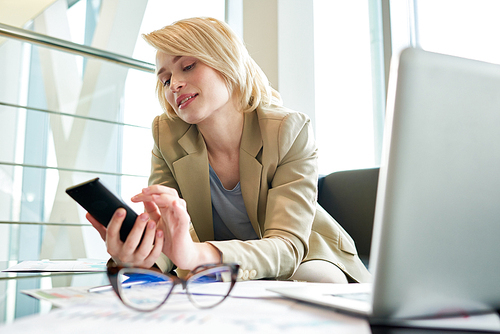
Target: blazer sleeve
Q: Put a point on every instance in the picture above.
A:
(290, 170)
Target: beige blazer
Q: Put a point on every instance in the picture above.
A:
(278, 177)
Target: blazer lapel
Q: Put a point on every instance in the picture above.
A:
(251, 168)
(194, 182)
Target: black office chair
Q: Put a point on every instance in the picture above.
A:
(349, 197)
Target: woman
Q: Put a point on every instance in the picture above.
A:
(234, 173)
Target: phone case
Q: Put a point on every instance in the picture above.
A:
(101, 203)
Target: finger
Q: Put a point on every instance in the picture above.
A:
(181, 204)
(159, 189)
(152, 209)
(146, 193)
(179, 209)
(98, 226)
(176, 221)
(163, 201)
(156, 251)
(134, 238)
(149, 205)
(147, 240)
(164, 204)
(113, 232)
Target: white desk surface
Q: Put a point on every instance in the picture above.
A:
(251, 309)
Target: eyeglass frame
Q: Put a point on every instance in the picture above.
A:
(113, 271)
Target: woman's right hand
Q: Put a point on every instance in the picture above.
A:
(137, 253)
(170, 212)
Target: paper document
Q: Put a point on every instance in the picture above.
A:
(70, 296)
(59, 266)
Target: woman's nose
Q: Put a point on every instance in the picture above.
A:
(176, 85)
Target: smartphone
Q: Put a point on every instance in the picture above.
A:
(101, 203)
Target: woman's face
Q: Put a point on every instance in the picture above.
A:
(195, 91)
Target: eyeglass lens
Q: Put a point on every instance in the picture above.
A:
(209, 287)
(142, 289)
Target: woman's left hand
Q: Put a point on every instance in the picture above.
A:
(142, 246)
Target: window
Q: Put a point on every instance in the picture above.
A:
(349, 90)
(462, 28)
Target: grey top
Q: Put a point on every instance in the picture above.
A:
(229, 213)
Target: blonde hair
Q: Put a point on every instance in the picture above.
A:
(216, 45)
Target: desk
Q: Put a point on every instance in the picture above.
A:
(15, 307)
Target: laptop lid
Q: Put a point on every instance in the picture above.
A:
(437, 218)
(435, 248)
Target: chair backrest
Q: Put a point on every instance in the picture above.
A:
(349, 197)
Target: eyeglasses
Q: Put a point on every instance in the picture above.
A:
(146, 290)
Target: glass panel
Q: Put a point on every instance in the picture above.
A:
(47, 133)
(45, 201)
(98, 93)
(38, 207)
(99, 147)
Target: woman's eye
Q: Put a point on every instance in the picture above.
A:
(187, 68)
(166, 83)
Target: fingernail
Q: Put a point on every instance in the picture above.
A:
(151, 225)
(144, 217)
(120, 212)
(145, 190)
(159, 234)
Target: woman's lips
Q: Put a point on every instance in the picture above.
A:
(185, 99)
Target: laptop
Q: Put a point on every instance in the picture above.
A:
(436, 238)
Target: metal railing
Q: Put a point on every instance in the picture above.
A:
(58, 113)
(75, 48)
(74, 170)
